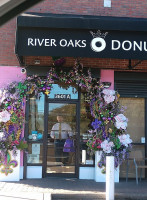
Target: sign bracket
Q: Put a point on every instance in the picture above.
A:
(130, 64)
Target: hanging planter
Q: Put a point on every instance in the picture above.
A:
(58, 61)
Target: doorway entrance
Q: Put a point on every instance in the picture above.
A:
(62, 136)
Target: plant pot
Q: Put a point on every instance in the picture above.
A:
(10, 167)
(99, 176)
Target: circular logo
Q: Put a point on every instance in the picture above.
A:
(100, 41)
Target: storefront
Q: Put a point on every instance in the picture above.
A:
(133, 90)
(42, 35)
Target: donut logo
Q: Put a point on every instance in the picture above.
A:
(98, 43)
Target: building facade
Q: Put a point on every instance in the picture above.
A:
(107, 36)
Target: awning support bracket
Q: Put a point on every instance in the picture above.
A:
(130, 64)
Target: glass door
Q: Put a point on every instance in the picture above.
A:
(61, 143)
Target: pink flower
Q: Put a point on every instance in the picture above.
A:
(16, 142)
(125, 139)
(121, 121)
(109, 95)
(4, 116)
(106, 146)
(98, 141)
(109, 92)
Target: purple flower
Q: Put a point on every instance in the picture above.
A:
(96, 124)
(11, 128)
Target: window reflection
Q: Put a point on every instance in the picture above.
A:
(85, 125)
(61, 138)
(135, 112)
(36, 118)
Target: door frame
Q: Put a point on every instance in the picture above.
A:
(46, 107)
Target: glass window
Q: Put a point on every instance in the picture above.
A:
(36, 119)
(135, 112)
(61, 138)
(85, 125)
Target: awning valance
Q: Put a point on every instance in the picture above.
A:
(48, 20)
(81, 36)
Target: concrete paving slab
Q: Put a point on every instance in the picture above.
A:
(60, 188)
(21, 196)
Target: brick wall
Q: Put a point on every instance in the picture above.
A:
(109, 63)
(125, 8)
(7, 44)
(121, 8)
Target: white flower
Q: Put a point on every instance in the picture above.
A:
(121, 121)
(109, 95)
(109, 92)
(109, 99)
(1, 135)
(125, 139)
(4, 116)
(2, 95)
(106, 146)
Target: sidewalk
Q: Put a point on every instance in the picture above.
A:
(64, 188)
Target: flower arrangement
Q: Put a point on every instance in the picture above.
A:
(109, 125)
(9, 144)
(12, 101)
(11, 120)
(109, 128)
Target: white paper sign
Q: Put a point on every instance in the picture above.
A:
(89, 162)
(142, 139)
(35, 148)
(32, 158)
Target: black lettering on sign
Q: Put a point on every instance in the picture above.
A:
(62, 96)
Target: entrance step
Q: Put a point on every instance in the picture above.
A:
(78, 196)
(100, 196)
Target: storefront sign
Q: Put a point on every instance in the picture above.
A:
(81, 43)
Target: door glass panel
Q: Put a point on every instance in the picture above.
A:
(61, 138)
(35, 153)
(135, 112)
